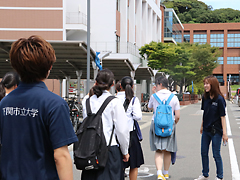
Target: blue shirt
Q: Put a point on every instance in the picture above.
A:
(33, 122)
(213, 109)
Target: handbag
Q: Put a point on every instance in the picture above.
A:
(138, 131)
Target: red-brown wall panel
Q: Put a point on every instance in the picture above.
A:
(31, 3)
(31, 18)
(48, 35)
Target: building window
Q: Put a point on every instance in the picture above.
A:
(172, 26)
(117, 44)
(177, 37)
(220, 79)
(118, 5)
(233, 60)
(186, 37)
(234, 78)
(217, 40)
(233, 40)
(200, 38)
(220, 60)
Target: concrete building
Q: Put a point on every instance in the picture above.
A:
(226, 36)
(49, 20)
(119, 26)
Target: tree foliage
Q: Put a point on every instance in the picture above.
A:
(194, 11)
(184, 62)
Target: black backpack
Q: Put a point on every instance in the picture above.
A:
(91, 150)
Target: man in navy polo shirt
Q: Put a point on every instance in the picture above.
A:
(34, 123)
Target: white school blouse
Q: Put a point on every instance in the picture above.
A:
(113, 113)
(133, 112)
(164, 95)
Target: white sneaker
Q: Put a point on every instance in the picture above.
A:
(216, 178)
(201, 178)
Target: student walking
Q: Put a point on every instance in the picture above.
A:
(113, 115)
(9, 82)
(213, 127)
(34, 122)
(163, 146)
(134, 113)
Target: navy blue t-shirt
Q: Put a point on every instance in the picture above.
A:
(33, 122)
(214, 109)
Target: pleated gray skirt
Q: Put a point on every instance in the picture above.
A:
(163, 143)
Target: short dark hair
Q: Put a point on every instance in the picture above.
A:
(32, 58)
(162, 80)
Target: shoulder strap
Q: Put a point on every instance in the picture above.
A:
(105, 103)
(170, 98)
(88, 106)
(157, 98)
(133, 100)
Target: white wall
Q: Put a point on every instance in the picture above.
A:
(77, 35)
(103, 22)
(77, 6)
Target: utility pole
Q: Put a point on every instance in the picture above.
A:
(88, 45)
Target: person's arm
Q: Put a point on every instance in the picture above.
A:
(154, 90)
(201, 128)
(224, 127)
(177, 116)
(63, 163)
(121, 127)
(136, 110)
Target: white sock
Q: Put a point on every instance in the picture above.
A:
(159, 172)
(165, 172)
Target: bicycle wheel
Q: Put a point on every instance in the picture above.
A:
(75, 122)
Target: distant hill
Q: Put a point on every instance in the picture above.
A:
(193, 11)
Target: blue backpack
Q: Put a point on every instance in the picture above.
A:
(163, 119)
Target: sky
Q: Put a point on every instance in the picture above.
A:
(217, 4)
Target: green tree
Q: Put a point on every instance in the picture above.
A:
(190, 11)
(184, 62)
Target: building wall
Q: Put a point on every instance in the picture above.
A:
(226, 68)
(53, 85)
(162, 23)
(25, 18)
(136, 22)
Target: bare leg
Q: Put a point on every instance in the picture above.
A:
(167, 160)
(159, 159)
(133, 174)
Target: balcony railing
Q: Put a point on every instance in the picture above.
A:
(76, 18)
(116, 47)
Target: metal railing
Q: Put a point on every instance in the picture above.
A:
(116, 47)
(76, 18)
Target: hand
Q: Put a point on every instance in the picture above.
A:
(225, 138)
(126, 158)
(154, 89)
(201, 130)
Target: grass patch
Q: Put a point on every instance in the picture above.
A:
(234, 87)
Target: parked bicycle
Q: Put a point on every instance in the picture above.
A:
(144, 104)
(75, 112)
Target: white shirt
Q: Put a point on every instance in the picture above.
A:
(113, 113)
(164, 95)
(134, 110)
